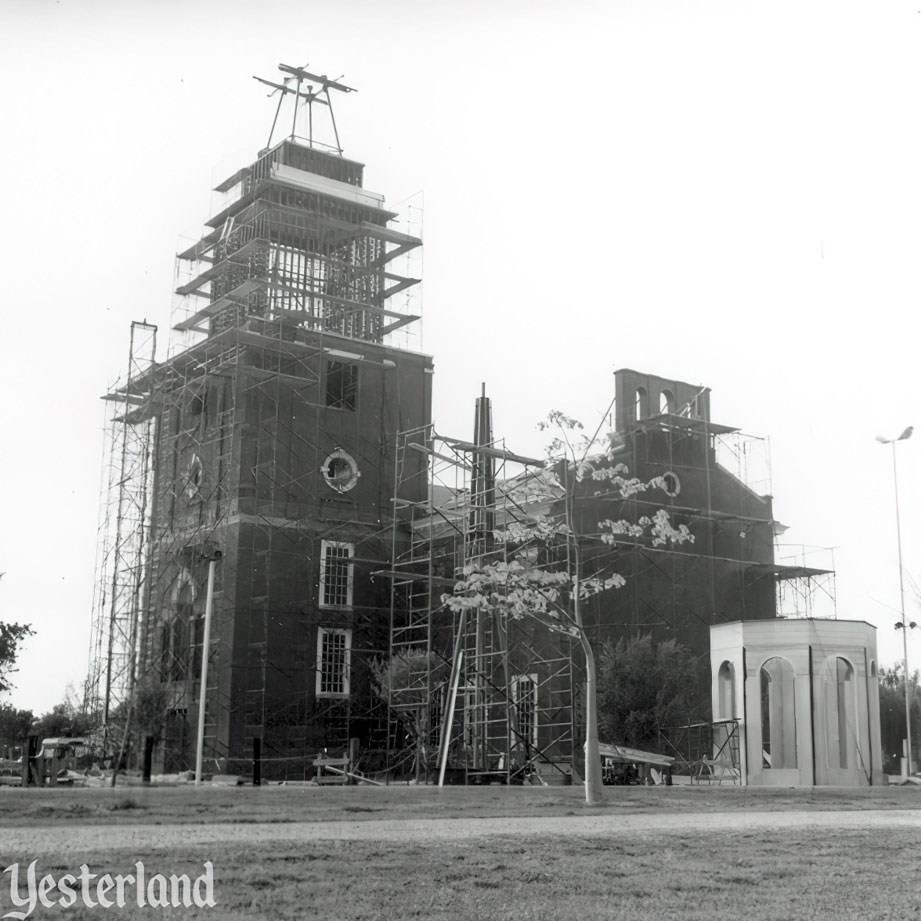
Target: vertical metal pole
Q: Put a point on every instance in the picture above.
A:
(866, 673)
(143, 639)
(744, 737)
(203, 687)
(448, 725)
(297, 97)
(898, 532)
(332, 117)
(812, 716)
(281, 99)
(479, 658)
(393, 590)
(711, 523)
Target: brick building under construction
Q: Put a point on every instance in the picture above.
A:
(288, 434)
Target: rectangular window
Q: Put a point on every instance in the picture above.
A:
(341, 385)
(336, 574)
(524, 696)
(334, 649)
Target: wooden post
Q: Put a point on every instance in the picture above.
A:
(29, 751)
(257, 761)
(148, 757)
(353, 754)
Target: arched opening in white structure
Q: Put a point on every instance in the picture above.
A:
(640, 403)
(726, 691)
(778, 714)
(842, 715)
(667, 402)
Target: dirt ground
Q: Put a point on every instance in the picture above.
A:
(19, 843)
(47, 822)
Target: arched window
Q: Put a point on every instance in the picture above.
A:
(640, 403)
(842, 725)
(666, 402)
(726, 691)
(778, 715)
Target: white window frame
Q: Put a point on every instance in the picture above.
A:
(517, 681)
(322, 633)
(350, 573)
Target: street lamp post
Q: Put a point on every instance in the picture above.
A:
(212, 558)
(898, 531)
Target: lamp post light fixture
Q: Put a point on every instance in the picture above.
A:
(901, 625)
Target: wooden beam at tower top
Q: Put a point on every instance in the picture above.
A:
(310, 97)
(328, 84)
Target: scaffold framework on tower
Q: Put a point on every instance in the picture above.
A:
(260, 436)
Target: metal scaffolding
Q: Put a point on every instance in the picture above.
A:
(508, 712)
(122, 562)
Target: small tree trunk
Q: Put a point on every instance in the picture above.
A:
(593, 786)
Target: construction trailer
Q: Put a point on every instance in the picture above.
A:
(290, 428)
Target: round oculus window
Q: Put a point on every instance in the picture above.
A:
(340, 471)
(671, 484)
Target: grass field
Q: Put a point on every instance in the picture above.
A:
(724, 871)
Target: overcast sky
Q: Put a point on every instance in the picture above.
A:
(726, 193)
